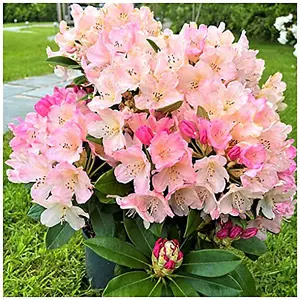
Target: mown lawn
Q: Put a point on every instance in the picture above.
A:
(24, 53)
(30, 270)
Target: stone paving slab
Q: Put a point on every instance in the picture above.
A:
(21, 95)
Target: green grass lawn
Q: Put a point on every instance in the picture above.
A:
(31, 270)
(25, 53)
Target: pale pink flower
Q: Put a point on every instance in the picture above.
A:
(175, 176)
(216, 36)
(67, 180)
(210, 171)
(260, 180)
(253, 156)
(58, 211)
(134, 166)
(237, 200)
(156, 93)
(221, 62)
(65, 143)
(218, 134)
(151, 207)
(167, 149)
(110, 128)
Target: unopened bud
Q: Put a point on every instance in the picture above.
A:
(248, 233)
(235, 231)
(166, 257)
(144, 134)
(189, 129)
(223, 233)
(234, 153)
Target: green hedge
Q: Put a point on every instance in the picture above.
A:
(32, 12)
(256, 18)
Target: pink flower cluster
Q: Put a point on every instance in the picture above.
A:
(48, 151)
(185, 121)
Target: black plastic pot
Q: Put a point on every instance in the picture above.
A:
(99, 271)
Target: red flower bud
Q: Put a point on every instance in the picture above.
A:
(145, 134)
(227, 225)
(235, 231)
(189, 129)
(166, 256)
(223, 233)
(249, 233)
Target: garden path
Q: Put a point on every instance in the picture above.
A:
(21, 95)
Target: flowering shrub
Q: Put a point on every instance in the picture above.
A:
(287, 30)
(173, 128)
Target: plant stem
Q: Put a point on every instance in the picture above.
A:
(91, 166)
(96, 170)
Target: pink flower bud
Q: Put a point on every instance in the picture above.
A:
(249, 233)
(227, 225)
(203, 126)
(166, 257)
(189, 129)
(42, 107)
(235, 232)
(223, 233)
(234, 153)
(144, 134)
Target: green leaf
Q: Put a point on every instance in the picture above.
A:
(210, 262)
(79, 80)
(193, 221)
(131, 284)
(157, 289)
(170, 108)
(201, 112)
(142, 238)
(103, 198)
(118, 251)
(156, 229)
(240, 222)
(252, 246)
(153, 45)
(94, 140)
(62, 61)
(181, 288)
(166, 291)
(108, 184)
(245, 279)
(224, 286)
(58, 235)
(35, 212)
(103, 224)
(252, 257)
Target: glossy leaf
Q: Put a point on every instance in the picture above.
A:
(103, 224)
(157, 289)
(62, 61)
(245, 279)
(170, 108)
(35, 212)
(153, 45)
(58, 235)
(79, 80)
(117, 251)
(210, 262)
(94, 140)
(108, 184)
(142, 238)
(224, 286)
(193, 221)
(181, 288)
(252, 246)
(131, 284)
(103, 198)
(156, 229)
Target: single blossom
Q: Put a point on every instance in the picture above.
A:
(210, 171)
(67, 180)
(218, 134)
(134, 166)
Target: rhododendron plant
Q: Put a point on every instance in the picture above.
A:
(172, 129)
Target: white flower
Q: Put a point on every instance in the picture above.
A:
(280, 21)
(295, 51)
(58, 212)
(282, 38)
(293, 30)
